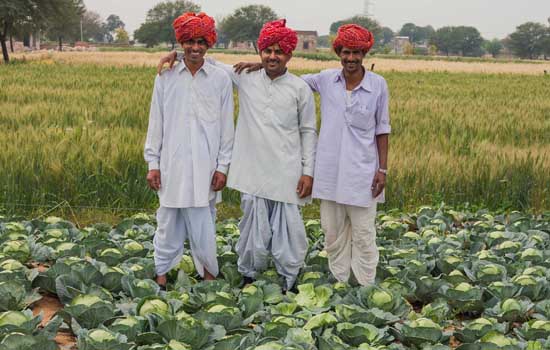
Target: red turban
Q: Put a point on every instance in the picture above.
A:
(353, 36)
(191, 26)
(276, 32)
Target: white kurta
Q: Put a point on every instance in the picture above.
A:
(276, 135)
(190, 134)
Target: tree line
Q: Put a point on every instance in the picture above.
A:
(69, 20)
(57, 20)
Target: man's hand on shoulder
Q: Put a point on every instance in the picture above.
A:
(218, 181)
(170, 59)
(153, 179)
(247, 66)
(305, 185)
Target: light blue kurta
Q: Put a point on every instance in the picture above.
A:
(347, 154)
(276, 135)
(190, 134)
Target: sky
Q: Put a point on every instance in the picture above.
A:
(493, 18)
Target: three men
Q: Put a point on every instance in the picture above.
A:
(188, 149)
(351, 161)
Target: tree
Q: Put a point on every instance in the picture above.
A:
(246, 23)
(444, 40)
(93, 28)
(371, 24)
(469, 41)
(386, 36)
(527, 40)
(416, 34)
(66, 26)
(545, 44)
(158, 23)
(323, 41)
(494, 47)
(465, 41)
(111, 24)
(24, 16)
(121, 36)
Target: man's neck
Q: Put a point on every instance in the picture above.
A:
(274, 76)
(193, 67)
(353, 79)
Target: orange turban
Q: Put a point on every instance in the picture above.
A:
(277, 32)
(353, 36)
(191, 26)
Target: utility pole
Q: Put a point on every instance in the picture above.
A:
(368, 8)
(81, 32)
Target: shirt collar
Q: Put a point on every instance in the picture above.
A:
(206, 68)
(365, 83)
(285, 74)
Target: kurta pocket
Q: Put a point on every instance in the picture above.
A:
(361, 117)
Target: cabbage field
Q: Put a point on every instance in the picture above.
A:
(446, 279)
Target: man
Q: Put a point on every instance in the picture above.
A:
(188, 149)
(352, 155)
(273, 157)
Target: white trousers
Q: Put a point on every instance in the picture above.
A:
(174, 227)
(270, 227)
(350, 240)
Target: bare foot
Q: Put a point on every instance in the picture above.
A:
(208, 276)
(161, 280)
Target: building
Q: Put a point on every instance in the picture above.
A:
(400, 44)
(307, 40)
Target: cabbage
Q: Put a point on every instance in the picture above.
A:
(86, 300)
(13, 318)
(510, 305)
(154, 305)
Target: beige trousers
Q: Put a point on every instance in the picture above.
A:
(350, 240)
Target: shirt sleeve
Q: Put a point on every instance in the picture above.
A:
(383, 111)
(313, 80)
(227, 129)
(153, 142)
(308, 130)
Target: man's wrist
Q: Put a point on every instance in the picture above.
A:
(383, 171)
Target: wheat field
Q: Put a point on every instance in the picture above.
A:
(145, 59)
(74, 133)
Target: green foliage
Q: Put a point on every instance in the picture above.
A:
(246, 23)
(121, 36)
(462, 40)
(65, 26)
(417, 34)
(530, 40)
(494, 47)
(158, 23)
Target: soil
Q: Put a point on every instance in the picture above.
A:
(48, 306)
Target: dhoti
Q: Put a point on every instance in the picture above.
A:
(350, 240)
(175, 226)
(270, 227)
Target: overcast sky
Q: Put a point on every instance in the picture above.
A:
(493, 18)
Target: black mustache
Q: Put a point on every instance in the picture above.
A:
(356, 62)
